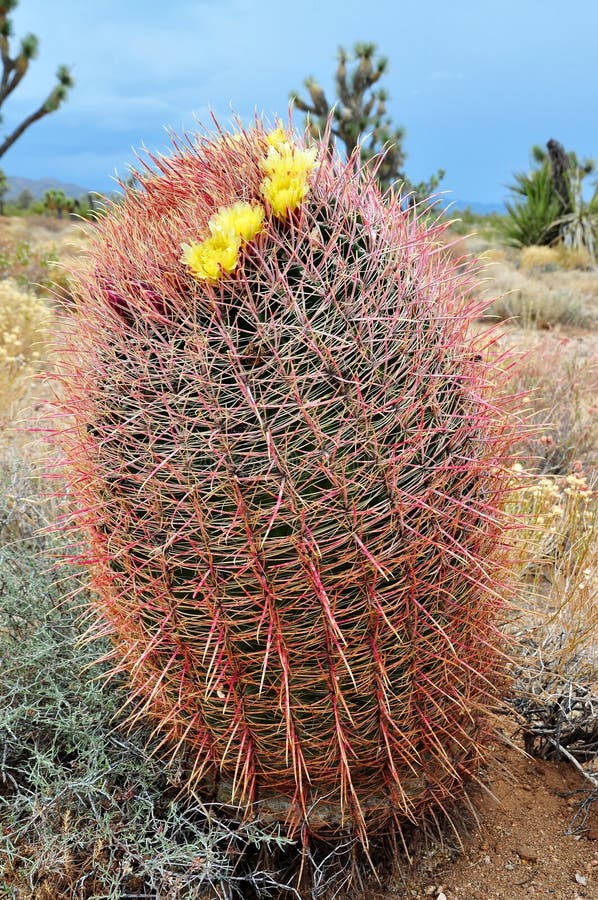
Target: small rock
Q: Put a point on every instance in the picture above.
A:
(441, 896)
(487, 860)
(581, 879)
(527, 853)
(592, 834)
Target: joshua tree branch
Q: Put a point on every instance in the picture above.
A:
(16, 134)
(14, 70)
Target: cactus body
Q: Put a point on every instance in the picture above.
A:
(287, 476)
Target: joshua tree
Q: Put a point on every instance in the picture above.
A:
(14, 69)
(71, 206)
(360, 117)
(56, 201)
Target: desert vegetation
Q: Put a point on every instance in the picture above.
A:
(550, 207)
(88, 806)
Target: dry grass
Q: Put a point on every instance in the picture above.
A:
(571, 258)
(546, 258)
(555, 663)
(559, 539)
(557, 376)
(550, 259)
(37, 253)
(25, 324)
(540, 297)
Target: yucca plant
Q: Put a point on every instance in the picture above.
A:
(531, 218)
(549, 207)
(579, 228)
(284, 455)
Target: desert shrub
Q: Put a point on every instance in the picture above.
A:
(488, 226)
(549, 205)
(25, 322)
(548, 259)
(36, 262)
(494, 255)
(46, 224)
(559, 538)
(558, 380)
(574, 258)
(555, 661)
(538, 257)
(27, 264)
(532, 213)
(21, 512)
(539, 309)
(539, 298)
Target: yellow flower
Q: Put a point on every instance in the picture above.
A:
(287, 170)
(242, 219)
(277, 137)
(230, 228)
(213, 257)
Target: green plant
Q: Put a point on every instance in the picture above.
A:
(488, 226)
(32, 267)
(550, 206)
(14, 70)
(359, 119)
(283, 455)
(57, 201)
(531, 219)
(25, 199)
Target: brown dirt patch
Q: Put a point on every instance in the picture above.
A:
(522, 847)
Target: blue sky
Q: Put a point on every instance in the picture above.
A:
(475, 84)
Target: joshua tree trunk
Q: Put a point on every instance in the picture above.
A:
(559, 170)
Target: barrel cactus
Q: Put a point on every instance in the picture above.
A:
(284, 460)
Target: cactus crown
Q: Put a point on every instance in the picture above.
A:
(289, 479)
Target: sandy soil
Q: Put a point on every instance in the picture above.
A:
(523, 846)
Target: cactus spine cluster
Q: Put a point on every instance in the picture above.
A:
(286, 470)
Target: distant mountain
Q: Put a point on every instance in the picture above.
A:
(481, 209)
(39, 186)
